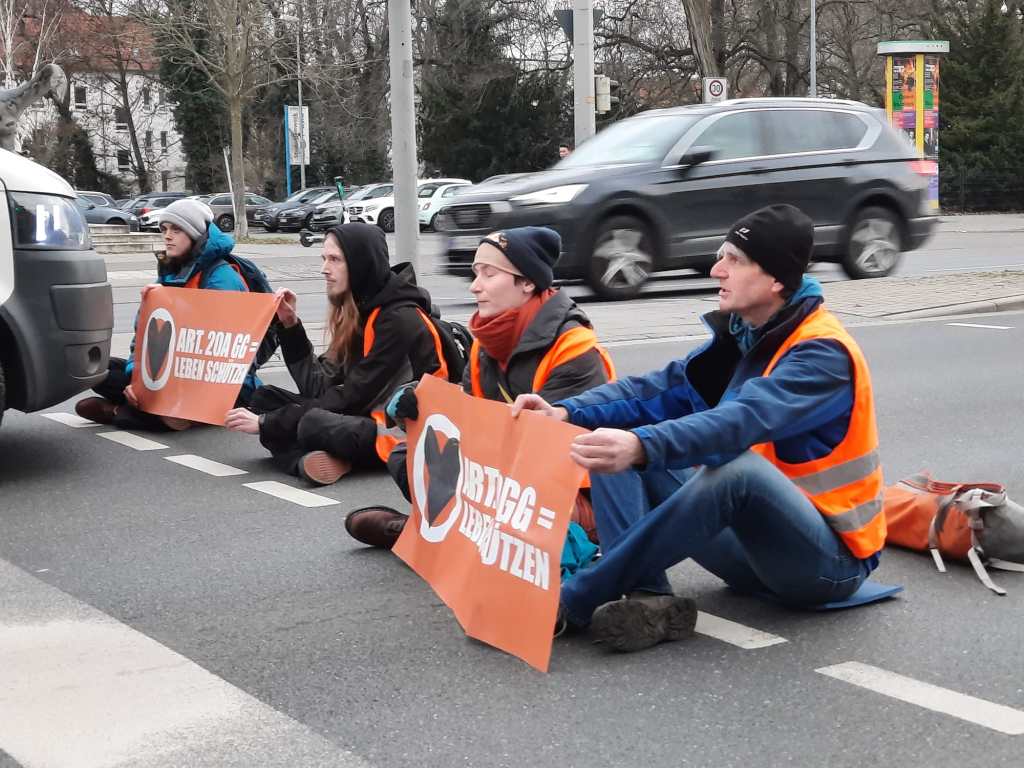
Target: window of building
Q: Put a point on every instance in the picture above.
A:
(165, 177)
(163, 141)
(149, 139)
(80, 97)
(120, 119)
(146, 96)
(124, 160)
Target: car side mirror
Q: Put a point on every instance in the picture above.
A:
(91, 206)
(697, 155)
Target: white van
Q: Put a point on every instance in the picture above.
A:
(56, 306)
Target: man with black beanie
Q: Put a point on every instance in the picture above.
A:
(756, 455)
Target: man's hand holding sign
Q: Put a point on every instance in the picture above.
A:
(603, 450)
(492, 498)
(196, 348)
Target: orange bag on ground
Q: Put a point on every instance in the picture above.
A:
(972, 521)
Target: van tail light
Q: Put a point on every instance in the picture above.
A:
(924, 167)
(144, 211)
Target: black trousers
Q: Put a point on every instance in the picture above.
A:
(294, 426)
(128, 416)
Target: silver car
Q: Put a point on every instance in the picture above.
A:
(224, 212)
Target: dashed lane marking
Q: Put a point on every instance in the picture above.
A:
(974, 710)
(80, 688)
(294, 495)
(733, 633)
(979, 325)
(72, 420)
(138, 442)
(208, 466)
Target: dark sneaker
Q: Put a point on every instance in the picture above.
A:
(320, 468)
(639, 622)
(97, 409)
(376, 526)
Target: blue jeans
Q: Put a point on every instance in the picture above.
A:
(744, 521)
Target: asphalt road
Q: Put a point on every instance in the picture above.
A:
(222, 626)
(950, 250)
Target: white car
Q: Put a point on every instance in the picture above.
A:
(150, 221)
(378, 207)
(431, 197)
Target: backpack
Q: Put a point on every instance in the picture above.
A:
(256, 281)
(456, 341)
(973, 521)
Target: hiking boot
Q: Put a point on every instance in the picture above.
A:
(376, 526)
(320, 468)
(97, 409)
(642, 621)
(175, 424)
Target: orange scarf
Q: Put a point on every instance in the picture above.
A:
(499, 335)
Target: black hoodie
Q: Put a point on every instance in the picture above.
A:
(403, 347)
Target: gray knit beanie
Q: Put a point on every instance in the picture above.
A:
(191, 216)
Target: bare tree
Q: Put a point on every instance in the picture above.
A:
(236, 45)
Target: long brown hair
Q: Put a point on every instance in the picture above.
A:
(342, 322)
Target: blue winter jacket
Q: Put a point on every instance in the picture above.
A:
(216, 277)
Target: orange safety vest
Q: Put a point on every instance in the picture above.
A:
(846, 485)
(388, 438)
(570, 345)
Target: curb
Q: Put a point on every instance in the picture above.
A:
(1004, 304)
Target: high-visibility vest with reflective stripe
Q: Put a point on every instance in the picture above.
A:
(568, 346)
(846, 485)
(388, 438)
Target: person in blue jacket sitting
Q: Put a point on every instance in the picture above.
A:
(756, 456)
(194, 257)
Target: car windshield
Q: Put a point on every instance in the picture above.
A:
(360, 194)
(323, 197)
(637, 140)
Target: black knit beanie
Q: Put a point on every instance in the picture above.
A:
(532, 250)
(779, 238)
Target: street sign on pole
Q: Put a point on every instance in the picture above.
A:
(298, 135)
(715, 89)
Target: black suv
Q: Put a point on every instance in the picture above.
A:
(658, 191)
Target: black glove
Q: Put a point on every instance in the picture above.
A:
(403, 406)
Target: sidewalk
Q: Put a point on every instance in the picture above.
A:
(856, 302)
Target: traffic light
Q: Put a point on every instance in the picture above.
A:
(605, 90)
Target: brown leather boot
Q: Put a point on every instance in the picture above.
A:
(320, 468)
(642, 620)
(376, 526)
(97, 409)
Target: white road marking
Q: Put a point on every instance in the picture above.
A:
(137, 442)
(974, 710)
(208, 466)
(294, 495)
(979, 325)
(80, 688)
(739, 635)
(70, 420)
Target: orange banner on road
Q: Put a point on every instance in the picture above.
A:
(492, 498)
(193, 349)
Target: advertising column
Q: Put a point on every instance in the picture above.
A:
(912, 98)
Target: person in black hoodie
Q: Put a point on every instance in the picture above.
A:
(380, 336)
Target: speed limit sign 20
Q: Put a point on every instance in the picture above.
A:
(715, 89)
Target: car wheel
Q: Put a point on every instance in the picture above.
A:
(622, 259)
(432, 226)
(122, 222)
(270, 227)
(226, 223)
(387, 220)
(306, 238)
(873, 246)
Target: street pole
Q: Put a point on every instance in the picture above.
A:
(583, 69)
(403, 131)
(814, 51)
(302, 121)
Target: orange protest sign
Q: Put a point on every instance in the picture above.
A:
(492, 497)
(193, 349)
